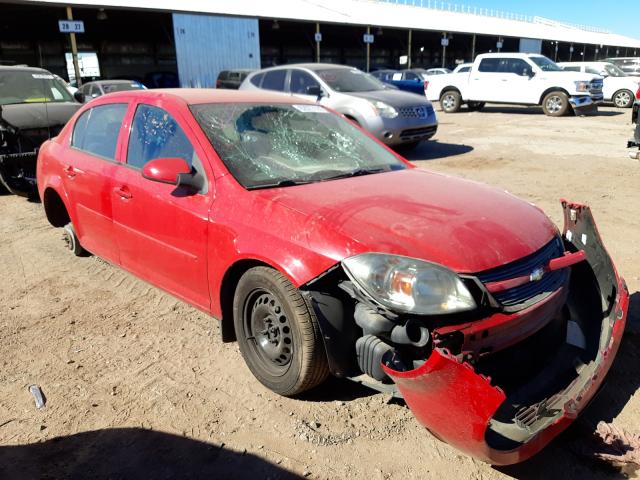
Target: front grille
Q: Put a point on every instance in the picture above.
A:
(420, 111)
(596, 86)
(523, 294)
(418, 132)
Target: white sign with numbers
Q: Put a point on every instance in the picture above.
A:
(318, 37)
(444, 42)
(367, 38)
(71, 26)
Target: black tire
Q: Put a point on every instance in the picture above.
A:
(475, 106)
(450, 101)
(71, 239)
(278, 333)
(555, 104)
(623, 98)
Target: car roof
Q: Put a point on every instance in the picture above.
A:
(308, 66)
(11, 68)
(195, 96)
(510, 54)
(102, 82)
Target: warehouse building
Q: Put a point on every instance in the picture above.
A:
(187, 43)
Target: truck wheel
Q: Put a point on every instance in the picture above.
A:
(71, 239)
(623, 98)
(278, 333)
(450, 101)
(555, 104)
(475, 106)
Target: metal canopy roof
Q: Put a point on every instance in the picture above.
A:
(372, 12)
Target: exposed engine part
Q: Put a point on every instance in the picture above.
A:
(411, 333)
(370, 350)
(371, 322)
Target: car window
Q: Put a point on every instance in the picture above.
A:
(464, 69)
(96, 131)
(571, 69)
(274, 80)
(592, 70)
(411, 76)
(516, 66)
(156, 134)
(350, 80)
(489, 65)
(301, 81)
(95, 91)
(397, 76)
(257, 79)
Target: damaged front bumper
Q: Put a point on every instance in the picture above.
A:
(512, 403)
(18, 173)
(585, 103)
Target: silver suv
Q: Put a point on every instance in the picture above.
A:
(393, 116)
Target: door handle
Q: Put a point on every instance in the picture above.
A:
(69, 170)
(123, 192)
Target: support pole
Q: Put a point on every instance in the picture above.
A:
(409, 51)
(74, 51)
(317, 44)
(473, 48)
(368, 48)
(444, 49)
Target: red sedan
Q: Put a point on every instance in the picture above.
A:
(323, 252)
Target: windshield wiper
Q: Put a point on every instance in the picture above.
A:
(281, 183)
(355, 173)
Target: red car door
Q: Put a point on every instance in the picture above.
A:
(162, 230)
(88, 168)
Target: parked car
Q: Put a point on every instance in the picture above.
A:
(323, 252)
(34, 106)
(392, 116)
(629, 65)
(462, 68)
(437, 71)
(635, 141)
(414, 81)
(101, 87)
(232, 78)
(618, 87)
(517, 78)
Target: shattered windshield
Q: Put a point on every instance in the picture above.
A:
(545, 64)
(266, 146)
(350, 80)
(31, 87)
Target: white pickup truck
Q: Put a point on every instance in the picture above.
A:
(517, 78)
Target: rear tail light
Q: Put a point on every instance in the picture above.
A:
(218, 83)
(637, 93)
(426, 85)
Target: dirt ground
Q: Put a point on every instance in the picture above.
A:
(139, 385)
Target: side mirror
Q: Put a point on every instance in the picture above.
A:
(316, 91)
(172, 171)
(79, 96)
(528, 73)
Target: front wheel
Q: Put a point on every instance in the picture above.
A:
(555, 104)
(623, 98)
(278, 333)
(450, 101)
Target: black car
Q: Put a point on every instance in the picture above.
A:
(635, 142)
(34, 106)
(232, 78)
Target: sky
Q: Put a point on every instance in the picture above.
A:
(619, 17)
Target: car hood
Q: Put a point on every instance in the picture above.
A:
(465, 225)
(26, 116)
(393, 97)
(570, 76)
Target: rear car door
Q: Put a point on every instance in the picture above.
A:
(162, 229)
(88, 170)
(485, 82)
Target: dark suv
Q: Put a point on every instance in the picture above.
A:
(635, 142)
(232, 78)
(34, 106)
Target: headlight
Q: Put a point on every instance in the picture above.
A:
(408, 284)
(385, 110)
(582, 86)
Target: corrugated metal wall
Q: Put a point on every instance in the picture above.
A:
(207, 44)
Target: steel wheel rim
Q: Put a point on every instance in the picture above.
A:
(268, 332)
(554, 104)
(622, 99)
(69, 241)
(448, 102)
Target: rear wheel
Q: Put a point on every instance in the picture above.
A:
(278, 333)
(450, 101)
(72, 242)
(623, 98)
(555, 104)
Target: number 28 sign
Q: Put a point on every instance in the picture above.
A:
(71, 26)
